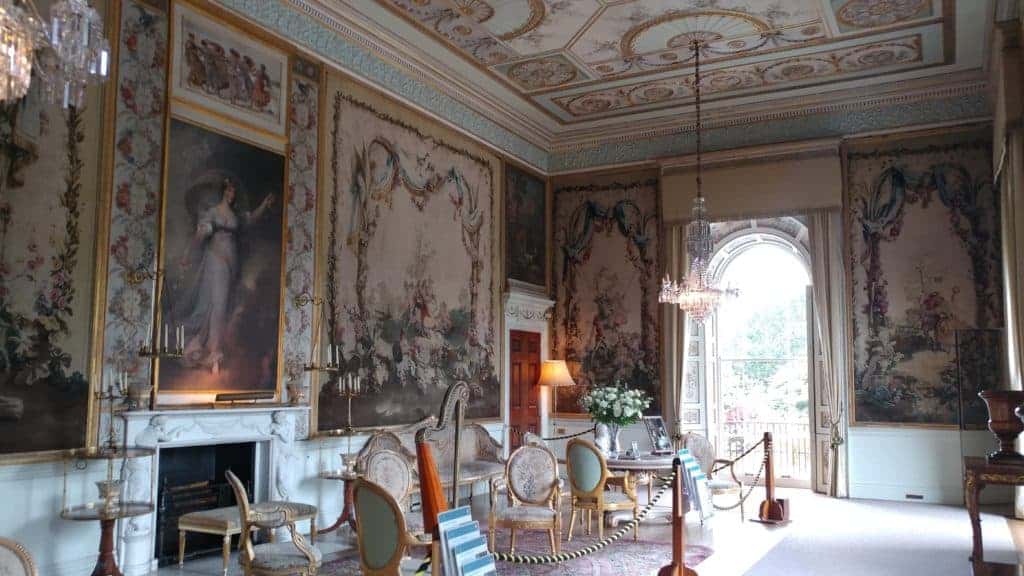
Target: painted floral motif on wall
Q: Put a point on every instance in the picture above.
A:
(47, 199)
(303, 157)
(137, 178)
(526, 227)
(413, 292)
(924, 247)
(606, 323)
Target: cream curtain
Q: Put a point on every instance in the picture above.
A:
(675, 338)
(1011, 189)
(825, 231)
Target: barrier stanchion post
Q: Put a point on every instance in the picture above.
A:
(678, 565)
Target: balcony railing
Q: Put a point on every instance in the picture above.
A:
(792, 448)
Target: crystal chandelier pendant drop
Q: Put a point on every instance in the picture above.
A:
(68, 54)
(81, 54)
(20, 35)
(696, 293)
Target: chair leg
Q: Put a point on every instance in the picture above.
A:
(490, 538)
(650, 487)
(600, 525)
(226, 552)
(590, 522)
(312, 529)
(181, 547)
(512, 543)
(572, 522)
(551, 537)
(742, 516)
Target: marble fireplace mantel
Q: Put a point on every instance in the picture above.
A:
(273, 428)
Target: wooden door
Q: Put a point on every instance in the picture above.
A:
(524, 371)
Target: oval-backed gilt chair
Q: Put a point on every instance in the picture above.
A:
(534, 496)
(588, 477)
(704, 451)
(383, 537)
(391, 471)
(294, 558)
(14, 559)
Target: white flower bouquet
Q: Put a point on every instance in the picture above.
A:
(616, 405)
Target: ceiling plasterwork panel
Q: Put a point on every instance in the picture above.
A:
(586, 61)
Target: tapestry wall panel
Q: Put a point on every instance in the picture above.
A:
(49, 190)
(606, 275)
(413, 292)
(924, 262)
(526, 234)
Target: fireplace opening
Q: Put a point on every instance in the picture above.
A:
(191, 479)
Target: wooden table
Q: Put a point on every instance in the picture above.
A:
(348, 514)
(107, 514)
(978, 473)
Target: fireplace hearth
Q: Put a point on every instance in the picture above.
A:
(191, 479)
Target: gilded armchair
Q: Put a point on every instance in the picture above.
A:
(15, 560)
(588, 478)
(383, 536)
(294, 558)
(534, 496)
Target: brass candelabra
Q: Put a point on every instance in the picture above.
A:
(155, 347)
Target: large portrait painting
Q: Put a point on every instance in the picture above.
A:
(924, 256)
(412, 250)
(526, 234)
(49, 161)
(226, 72)
(222, 252)
(606, 323)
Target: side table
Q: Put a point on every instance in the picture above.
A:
(978, 473)
(348, 514)
(107, 515)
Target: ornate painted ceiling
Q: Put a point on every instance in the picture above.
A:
(580, 61)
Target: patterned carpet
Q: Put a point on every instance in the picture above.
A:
(618, 559)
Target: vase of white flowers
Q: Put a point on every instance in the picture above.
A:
(615, 407)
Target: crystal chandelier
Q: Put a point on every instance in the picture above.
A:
(68, 54)
(696, 293)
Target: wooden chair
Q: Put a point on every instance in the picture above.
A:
(534, 496)
(588, 478)
(14, 559)
(295, 558)
(704, 451)
(381, 530)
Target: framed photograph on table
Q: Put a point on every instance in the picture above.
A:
(661, 443)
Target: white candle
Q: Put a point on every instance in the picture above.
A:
(167, 334)
(359, 383)
(330, 355)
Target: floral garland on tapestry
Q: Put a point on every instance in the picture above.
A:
(924, 251)
(606, 288)
(411, 266)
(44, 386)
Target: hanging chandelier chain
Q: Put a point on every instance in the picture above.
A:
(696, 46)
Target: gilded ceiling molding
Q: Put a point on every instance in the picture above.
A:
(877, 96)
(831, 122)
(344, 46)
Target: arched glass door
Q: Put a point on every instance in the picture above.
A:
(760, 359)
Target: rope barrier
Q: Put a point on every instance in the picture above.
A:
(738, 458)
(743, 497)
(569, 436)
(564, 556)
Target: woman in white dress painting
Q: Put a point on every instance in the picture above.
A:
(210, 269)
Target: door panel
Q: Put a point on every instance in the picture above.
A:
(524, 372)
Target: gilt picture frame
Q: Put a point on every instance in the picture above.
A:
(219, 71)
(222, 252)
